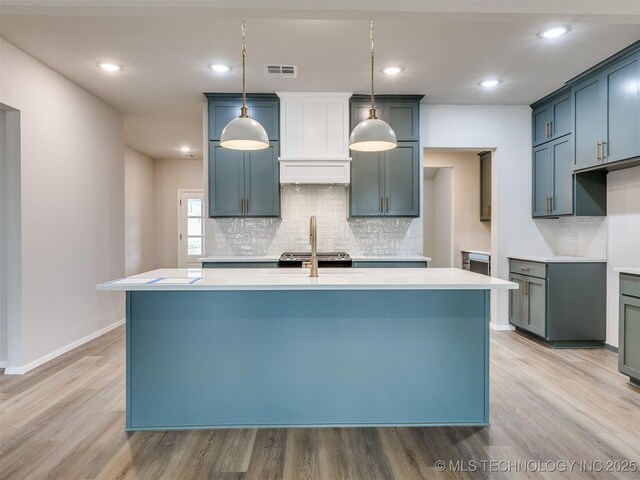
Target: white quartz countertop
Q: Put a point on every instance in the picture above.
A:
(557, 259)
(298, 279)
(631, 270)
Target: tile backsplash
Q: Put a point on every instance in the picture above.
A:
(582, 236)
(329, 203)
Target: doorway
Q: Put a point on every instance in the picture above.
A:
(190, 228)
(457, 205)
(438, 216)
(10, 239)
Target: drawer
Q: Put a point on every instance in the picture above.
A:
(630, 285)
(533, 269)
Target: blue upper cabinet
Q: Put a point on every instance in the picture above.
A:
(590, 120)
(401, 112)
(243, 184)
(606, 115)
(388, 183)
(551, 118)
(623, 110)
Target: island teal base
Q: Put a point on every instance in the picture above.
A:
(227, 359)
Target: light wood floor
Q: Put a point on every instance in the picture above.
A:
(65, 420)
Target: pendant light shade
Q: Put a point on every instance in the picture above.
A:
(244, 133)
(372, 134)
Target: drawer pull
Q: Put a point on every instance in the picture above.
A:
(525, 269)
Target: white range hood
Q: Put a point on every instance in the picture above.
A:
(314, 138)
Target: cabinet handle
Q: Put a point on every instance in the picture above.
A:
(550, 129)
(602, 155)
(546, 129)
(381, 205)
(525, 269)
(546, 204)
(241, 205)
(598, 151)
(550, 204)
(387, 204)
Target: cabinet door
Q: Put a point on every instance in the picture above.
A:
(537, 298)
(268, 114)
(623, 109)
(220, 113)
(517, 305)
(589, 120)
(401, 181)
(629, 344)
(367, 184)
(262, 184)
(541, 117)
(226, 181)
(403, 117)
(560, 116)
(562, 176)
(542, 184)
(485, 186)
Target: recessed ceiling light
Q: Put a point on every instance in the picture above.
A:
(392, 70)
(185, 149)
(220, 68)
(554, 32)
(110, 67)
(489, 83)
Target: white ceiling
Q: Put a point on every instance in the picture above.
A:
(444, 47)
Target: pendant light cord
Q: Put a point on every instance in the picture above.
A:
(243, 111)
(372, 112)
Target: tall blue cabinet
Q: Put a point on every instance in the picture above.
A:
(243, 183)
(387, 184)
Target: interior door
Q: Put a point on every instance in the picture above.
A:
(537, 300)
(190, 228)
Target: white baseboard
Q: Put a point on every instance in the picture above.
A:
(508, 327)
(56, 353)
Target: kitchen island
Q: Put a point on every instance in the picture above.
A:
(224, 348)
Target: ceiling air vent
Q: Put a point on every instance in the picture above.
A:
(282, 71)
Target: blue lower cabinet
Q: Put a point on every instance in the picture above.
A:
(320, 358)
(629, 341)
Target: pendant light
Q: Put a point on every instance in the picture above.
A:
(244, 133)
(372, 134)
